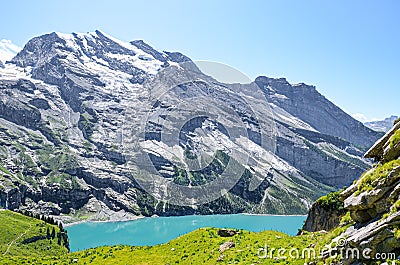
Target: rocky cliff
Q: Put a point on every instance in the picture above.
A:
(372, 204)
(85, 131)
(325, 214)
(304, 101)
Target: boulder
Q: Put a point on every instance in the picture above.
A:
(226, 232)
(367, 205)
(377, 151)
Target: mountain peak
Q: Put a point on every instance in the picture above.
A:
(268, 80)
(86, 50)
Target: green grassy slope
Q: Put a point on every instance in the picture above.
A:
(25, 236)
(198, 247)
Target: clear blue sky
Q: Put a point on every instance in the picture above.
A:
(349, 49)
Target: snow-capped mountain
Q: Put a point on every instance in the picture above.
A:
(383, 125)
(71, 104)
(8, 50)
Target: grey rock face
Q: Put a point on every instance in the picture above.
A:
(322, 218)
(66, 102)
(1, 64)
(176, 57)
(376, 236)
(303, 101)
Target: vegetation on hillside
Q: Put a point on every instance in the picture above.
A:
(331, 201)
(394, 139)
(371, 178)
(198, 247)
(26, 236)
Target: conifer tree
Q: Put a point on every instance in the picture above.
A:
(53, 233)
(47, 233)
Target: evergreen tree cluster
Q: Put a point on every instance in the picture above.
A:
(62, 235)
(42, 217)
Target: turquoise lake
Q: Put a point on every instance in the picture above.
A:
(152, 231)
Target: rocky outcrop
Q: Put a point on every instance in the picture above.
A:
(374, 203)
(366, 205)
(377, 236)
(323, 217)
(12, 198)
(19, 113)
(40, 103)
(387, 148)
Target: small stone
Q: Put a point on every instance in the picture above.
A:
(227, 245)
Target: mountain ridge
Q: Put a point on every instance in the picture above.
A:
(63, 101)
(383, 125)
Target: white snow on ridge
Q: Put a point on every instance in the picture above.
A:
(70, 40)
(119, 42)
(150, 66)
(141, 60)
(8, 50)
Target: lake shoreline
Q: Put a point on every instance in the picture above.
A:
(100, 217)
(104, 221)
(138, 217)
(157, 230)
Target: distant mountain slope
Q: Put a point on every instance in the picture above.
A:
(306, 103)
(383, 125)
(68, 100)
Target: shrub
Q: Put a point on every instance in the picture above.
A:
(394, 139)
(331, 201)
